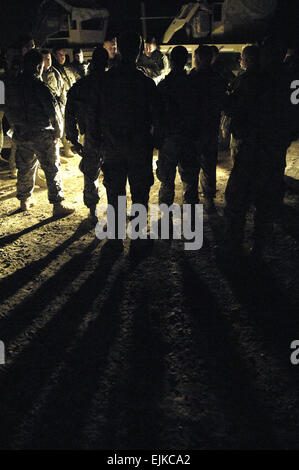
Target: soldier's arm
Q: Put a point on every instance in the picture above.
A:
(157, 112)
(71, 129)
(51, 109)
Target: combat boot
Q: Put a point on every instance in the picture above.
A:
(209, 205)
(26, 204)
(60, 210)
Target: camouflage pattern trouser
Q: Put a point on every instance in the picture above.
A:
(90, 166)
(256, 178)
(133, 162)
(207, 156)
(177, 151)
(42, 148)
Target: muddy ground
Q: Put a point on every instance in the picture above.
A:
(174, 350)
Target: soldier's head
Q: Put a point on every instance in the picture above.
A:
(78, 55)
(129, 44)
(150, 45)
(110, 46)
(33, 62)
(250, 57)
(99, 59)
(178, 57)
(26, 43)
(203, 57)
(273, 52)
(47, 59)
(59, 54)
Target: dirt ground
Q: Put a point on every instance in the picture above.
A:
(171, 351)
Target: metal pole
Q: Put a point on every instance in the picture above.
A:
(143, 19)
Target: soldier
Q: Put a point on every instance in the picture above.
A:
(53, 79)
(209, 92)
(37, 123)
(152, 61)
(78, 64)
(80, 114)
(242, 106)
(69, 77)
(262, 129)
(113, 56)
(176, 149)
(14, 68)
(129, 109)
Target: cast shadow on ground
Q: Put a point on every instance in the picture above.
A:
(31, 373)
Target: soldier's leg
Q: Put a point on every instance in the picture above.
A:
(166, 171)
(268, 195)
(238, 193)
(66, 146)
(90, 166)
(12, 158)
(209, 157)
(189, 171)
(26, 162)
(48, 155)
(140, 174)
(115, 177)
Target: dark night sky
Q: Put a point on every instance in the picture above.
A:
(17, 17)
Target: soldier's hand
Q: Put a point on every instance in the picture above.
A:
(77, 148)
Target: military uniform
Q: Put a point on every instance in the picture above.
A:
(259, 106)
(69, 76)
(154, 65)
(208, 89)
(36, 119)
(129, 107)
(81, 115)
(177, 149)
(53, 79)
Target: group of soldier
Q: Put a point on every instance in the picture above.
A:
(114, 119)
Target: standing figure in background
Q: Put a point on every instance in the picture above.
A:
(69, 77)
(152, 62)
(78, 64)
(36, 119)
(82, 115)
(208, 90)
(177, 149)
(129, 110)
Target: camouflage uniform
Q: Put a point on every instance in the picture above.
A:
(129, 107)
(36, 119)
(53, 79)
(153, 66)
(69, 76)
(208, 89)
(177, 149)
(259, 106)
(81, 115)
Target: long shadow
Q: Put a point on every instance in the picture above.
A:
(27, 310)
(290, 221)
(60, 423)
(134, 415)
(228, 374)
(275, 318)
(274, 313)
(8, 196)
(15, 281)
(15, 236)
